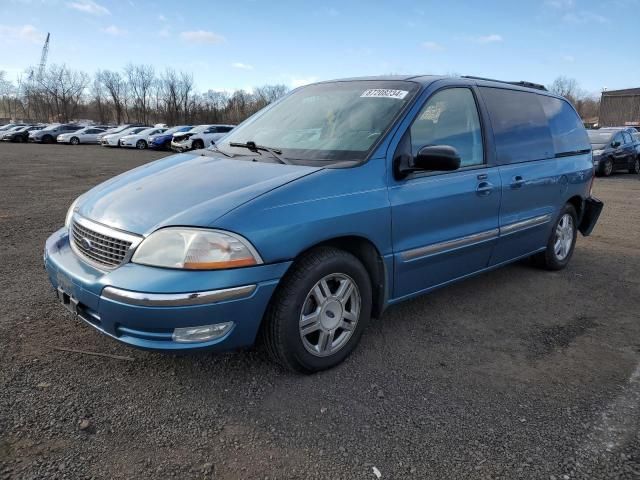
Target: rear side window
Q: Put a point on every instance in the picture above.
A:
(520, 126)
(569, 135)
(627, 137)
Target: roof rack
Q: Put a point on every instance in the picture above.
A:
(521, 83)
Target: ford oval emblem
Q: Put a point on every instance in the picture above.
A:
(86, 243)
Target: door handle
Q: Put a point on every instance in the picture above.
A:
(484, 189)
(517, 182)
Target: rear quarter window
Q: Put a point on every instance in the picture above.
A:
(520, 125)
(567, 130)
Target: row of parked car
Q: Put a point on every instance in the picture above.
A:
(180, 138)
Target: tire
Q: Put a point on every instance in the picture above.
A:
(19, 139)
(197, 145)
(606, 167)
(47, 139)
(635, 166)
(74, 141)
(562, 241)
(141, 145)
(321, 273)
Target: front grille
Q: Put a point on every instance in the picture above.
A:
(97, 247)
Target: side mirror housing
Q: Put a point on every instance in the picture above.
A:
(435, 158)
(615, 144)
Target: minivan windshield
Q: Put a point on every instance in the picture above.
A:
(327, 122)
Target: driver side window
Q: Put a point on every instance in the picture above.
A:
(450, 117)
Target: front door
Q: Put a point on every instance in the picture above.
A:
(444, 223)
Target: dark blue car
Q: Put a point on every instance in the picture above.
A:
(162, 141)
(322, 210)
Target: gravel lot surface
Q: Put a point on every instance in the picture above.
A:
(518, 373)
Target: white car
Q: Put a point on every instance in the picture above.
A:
(113, 139)
(199, 137)
(84, 135)
(140, 140)
(117, 129)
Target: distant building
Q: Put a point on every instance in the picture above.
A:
(620, 108)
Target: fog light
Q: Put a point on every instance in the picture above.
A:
(202, 333)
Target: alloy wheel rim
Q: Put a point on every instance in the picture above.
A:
(329, 314)
(608, 167)
(563, 237)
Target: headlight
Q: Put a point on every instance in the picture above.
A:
(67, 220)
(195, 249)
(597, 153)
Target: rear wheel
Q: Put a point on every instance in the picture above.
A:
(74, 141)
(197, 144)
(562, 241)
(141, 145)
(635, 166)
(318, 313)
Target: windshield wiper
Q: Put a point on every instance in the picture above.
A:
(215, 148)
(275, 153)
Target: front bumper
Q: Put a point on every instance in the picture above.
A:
(142, 306)
(181, 146)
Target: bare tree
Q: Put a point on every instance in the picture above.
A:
(64, 89)
(185, 88)
(569, 88)
(116, 88)
(140, 79)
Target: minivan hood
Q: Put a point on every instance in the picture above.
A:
(185, 190)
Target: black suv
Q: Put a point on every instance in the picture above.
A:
(615, 148)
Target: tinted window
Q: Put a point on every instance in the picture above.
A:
(519, 124)
(617, 139)
(567, 130)
(224, 129)
(450, 117)
(627, 137)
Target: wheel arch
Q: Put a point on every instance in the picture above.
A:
(365, 251)
(578, 204)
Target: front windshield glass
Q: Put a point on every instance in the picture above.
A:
(51, 127)
(597, 137)
(199, 128)
(327, 122)
(180, 128)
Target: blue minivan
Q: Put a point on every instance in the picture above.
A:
(323, 209)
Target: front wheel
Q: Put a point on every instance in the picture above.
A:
(47, 139)
(197, 145)
(562, 241)
(141, 145)
(74, 141)
(606, 168)
(319, 311)
(635, 166)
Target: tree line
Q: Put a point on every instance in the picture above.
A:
(138, 93)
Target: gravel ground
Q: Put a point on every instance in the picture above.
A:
(518, 373)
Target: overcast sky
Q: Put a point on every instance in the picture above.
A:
(245, 43)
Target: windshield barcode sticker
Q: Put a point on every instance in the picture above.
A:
(384, 93)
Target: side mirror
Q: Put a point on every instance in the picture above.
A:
(438, 158)
(615, 144)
